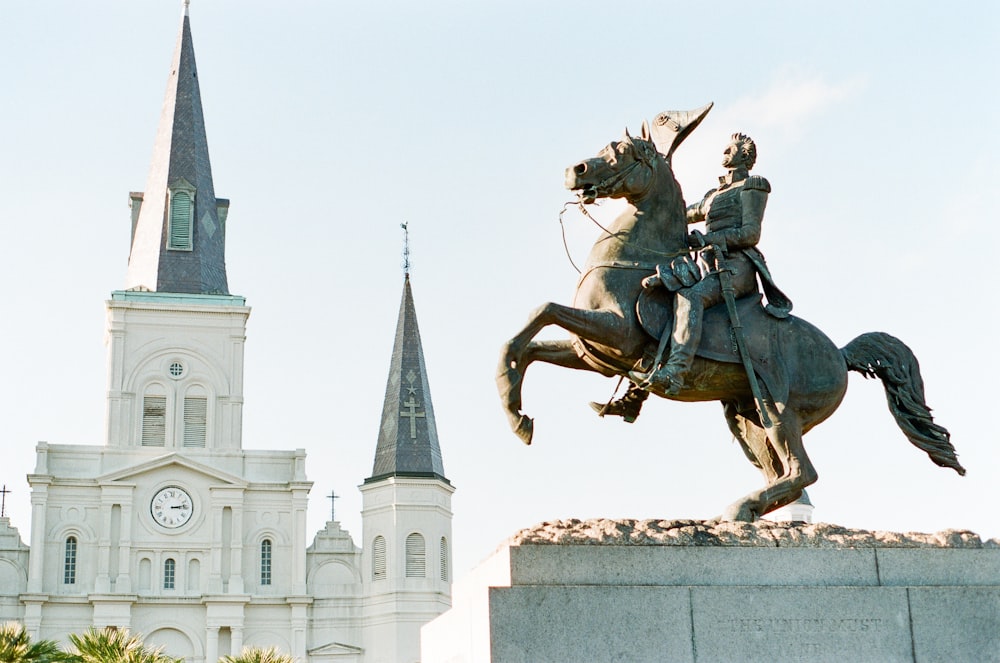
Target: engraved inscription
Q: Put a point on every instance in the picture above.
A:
(797, 625)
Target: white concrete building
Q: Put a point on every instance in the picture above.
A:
(170, 528)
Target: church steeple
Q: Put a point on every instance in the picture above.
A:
(178, 225)
(407, 440)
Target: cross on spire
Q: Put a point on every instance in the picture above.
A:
(3, 500)
(333, 497)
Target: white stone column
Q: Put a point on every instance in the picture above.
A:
(299, 624)
(300, 502)
(123, 583)
(212, 644)
(102, 584)
(236, 552)
(237, 639)
(118, 417)
(215, 573)
(39, 500)
(33, 618)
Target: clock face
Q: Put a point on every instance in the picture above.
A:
(171, 507)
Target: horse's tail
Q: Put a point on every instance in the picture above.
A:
(887, 358)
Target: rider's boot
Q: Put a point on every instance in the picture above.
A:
(627, 407)
(688, 314)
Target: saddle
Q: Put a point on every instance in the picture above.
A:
(761, 330)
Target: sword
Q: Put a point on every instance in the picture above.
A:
(729, 295)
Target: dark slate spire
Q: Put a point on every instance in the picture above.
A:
(178, 225)
(407, 440)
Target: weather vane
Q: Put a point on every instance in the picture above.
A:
(406, 247)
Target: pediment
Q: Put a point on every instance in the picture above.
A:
(173, 460)
(336, 649)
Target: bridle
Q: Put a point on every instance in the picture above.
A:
(604, 189)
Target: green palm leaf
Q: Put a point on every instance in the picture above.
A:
(16, 647)
(258, 655)
(111, 645)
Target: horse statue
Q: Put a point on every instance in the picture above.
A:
(798, 376)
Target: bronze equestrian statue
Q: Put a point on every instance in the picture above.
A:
(776, 375)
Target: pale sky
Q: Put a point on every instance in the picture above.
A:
(330, 123)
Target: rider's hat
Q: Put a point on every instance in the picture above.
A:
(670, 128)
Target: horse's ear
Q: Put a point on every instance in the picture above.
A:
(645, 130)
(627, 135)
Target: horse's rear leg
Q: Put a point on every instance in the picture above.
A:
(779, 453)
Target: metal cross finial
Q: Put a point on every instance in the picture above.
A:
(406, 247)
(3, 500)
(333, 497)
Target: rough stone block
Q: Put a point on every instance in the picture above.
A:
(687, 591)
(560, 624)
(956, 623)
(801, 624)
(690, 565)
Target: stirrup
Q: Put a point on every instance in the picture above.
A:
(663, 376)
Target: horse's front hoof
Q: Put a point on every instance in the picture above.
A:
(525, 429)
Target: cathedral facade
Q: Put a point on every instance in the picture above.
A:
(172, 529)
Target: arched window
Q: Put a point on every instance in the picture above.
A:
(444, 559)
(69, 562)
(265, 562)
(154, 418)
(169, 573)
(416, 556)
(181, 215)
(195, 417)
(379, 571)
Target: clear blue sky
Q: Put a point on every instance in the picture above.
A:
(329, 123)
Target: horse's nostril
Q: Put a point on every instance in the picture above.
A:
(580, 168)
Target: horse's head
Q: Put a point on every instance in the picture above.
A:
(630, 167)
(623, 169)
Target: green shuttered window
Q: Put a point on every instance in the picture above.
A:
(181, 221)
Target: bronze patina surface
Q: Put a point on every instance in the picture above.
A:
(776, 375)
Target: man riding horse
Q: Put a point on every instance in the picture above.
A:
(777, 377)
(732, 213)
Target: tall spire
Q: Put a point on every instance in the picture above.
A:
(407, 439)
(178, 225)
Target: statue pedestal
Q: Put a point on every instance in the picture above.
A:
(655, 591)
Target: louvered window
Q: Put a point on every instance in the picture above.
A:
(444, 559)
(169, 573)
(378, 559)
(69, 562)
(265, 562)
(195, 418)
(154, 421)
(416, 556)
(181, 214)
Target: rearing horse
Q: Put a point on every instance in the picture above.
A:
(608, 337)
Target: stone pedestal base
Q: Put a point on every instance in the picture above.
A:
(598, 591)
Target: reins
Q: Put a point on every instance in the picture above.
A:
(616, 264)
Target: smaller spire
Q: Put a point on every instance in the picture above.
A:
(407, 440)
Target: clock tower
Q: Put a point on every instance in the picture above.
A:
(168, 526)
